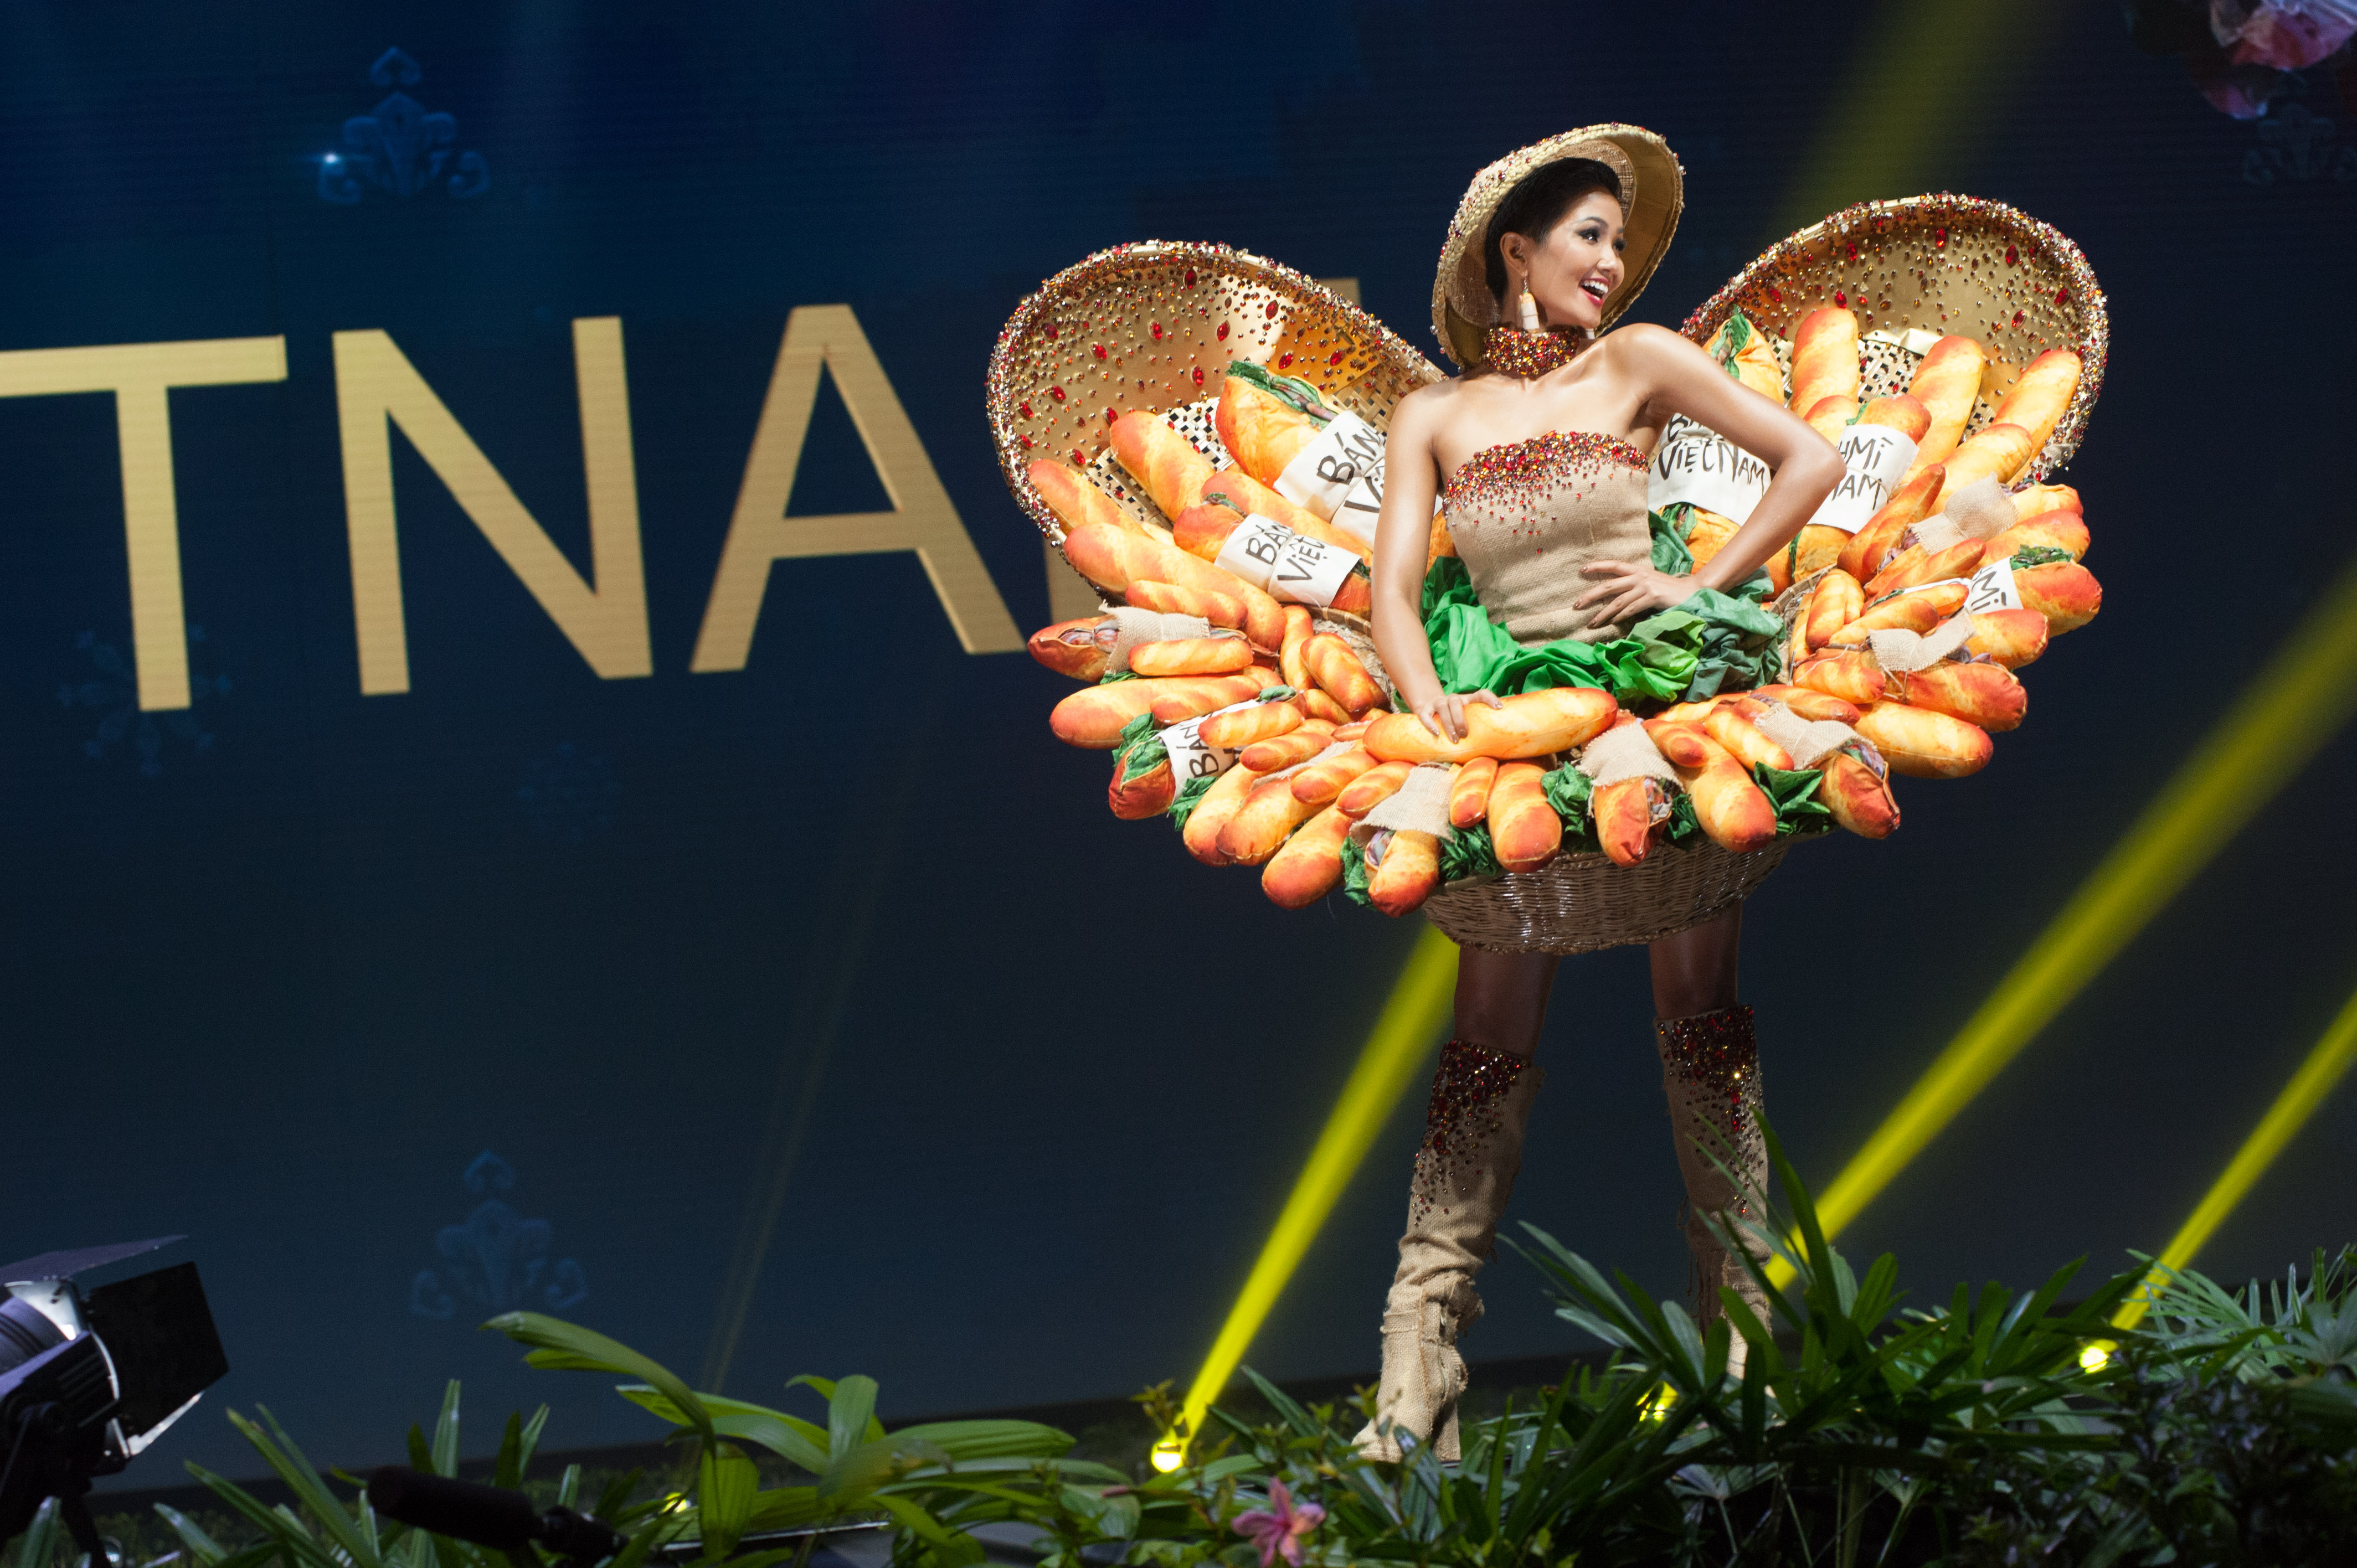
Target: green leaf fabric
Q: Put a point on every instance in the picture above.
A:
(2037, 555)
(1793, 793)
(1730, 639)
(1567, 791)
(1670, 528)
(1354, 871)
(1191, 795)
(1469, 852)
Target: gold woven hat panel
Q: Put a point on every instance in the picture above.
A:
(1936, 265)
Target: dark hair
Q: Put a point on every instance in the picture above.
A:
(1537, 203)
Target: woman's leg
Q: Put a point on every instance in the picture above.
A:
(1472, 1147)
(1710, 1071)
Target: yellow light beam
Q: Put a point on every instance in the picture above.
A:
(2302, 697)
(1411, 1021)
(1924, 82)
(2325, 1064)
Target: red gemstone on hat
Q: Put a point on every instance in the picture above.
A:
(1939, 237)
(1027, 410)
(1111, 414)
(1190, 277)
(1840, 297)
(1078, 461)
(1853, 250)
(1284, 361)
(1199, 375)
(2062, 296)
(1336, 358)
(1056, 392)
(1776, 296)
(2017, 318)
(2012, 257)
(1027, 441)
(1154, 327)
(1052, 329)
(1098, 348)
(1224, 331)
(1272, 310)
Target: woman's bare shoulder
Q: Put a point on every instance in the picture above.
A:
(1428, 404)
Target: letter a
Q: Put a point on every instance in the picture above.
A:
(377, 386)
(923, 519)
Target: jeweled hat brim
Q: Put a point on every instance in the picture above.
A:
(1652, 194)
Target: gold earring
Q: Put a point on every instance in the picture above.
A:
(1530, 310)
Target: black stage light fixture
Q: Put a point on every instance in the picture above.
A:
(488, 1516)
(88, 1379)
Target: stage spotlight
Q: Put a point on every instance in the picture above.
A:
(2097, 1355)
(87, 1382)
(1410, 1026)
(1169, 1453)
(2297, 701)
(2327, 1063)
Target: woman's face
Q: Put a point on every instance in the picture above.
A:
(1575, 270)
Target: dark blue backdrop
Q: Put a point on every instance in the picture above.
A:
(849, 925)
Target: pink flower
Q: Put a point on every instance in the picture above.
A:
(1277, 1530)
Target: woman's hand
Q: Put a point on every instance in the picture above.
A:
(1628, 591)
(1444, 713)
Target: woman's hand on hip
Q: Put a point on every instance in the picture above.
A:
(1444, 713)
(1626, 592)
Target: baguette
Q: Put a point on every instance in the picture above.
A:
(1523, 826)
(1468, 791)
(1999, 449)
(1532, 724)
(1261, 826)
(1830, 415)
(1732, 809)
(1732, 729)
(1246, 727)
(1262, 431)
(2064, 591)
(1184, 697)
(2031, 500)
(1916, 565)
(2012, 638)
(1852, 677)
(1309, 864)
(1630, 817)
(1164, 463)
(1213, 811)
(1707, 535)
(1859, 796)
(1093, 717)
(1984, 694)
(1289, 750)
(1372, 788)
(1338, 673)
(1075, 498)
(1072, 648)
(1924, 745)
(1809, 703)
(2037, 399)
(1901, 412)
(1947, 384)
(1910, 609)
(1869, 548)
(1299, 630)
(1824, 357)
(2058, 530)
(1319, 705)
(1321, 783)
(1837, 601)
(1222, 609)
(1190, 656)
(1406, 874)
(1148, 795)
(1113, 560)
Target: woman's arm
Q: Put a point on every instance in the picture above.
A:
(1672, 376)
(1402, 543)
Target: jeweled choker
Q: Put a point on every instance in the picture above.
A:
(1529, 354)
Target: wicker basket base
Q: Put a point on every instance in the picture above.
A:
(1584, 903)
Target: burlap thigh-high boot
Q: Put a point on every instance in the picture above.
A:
(1710, 1071)
(1464, 1171)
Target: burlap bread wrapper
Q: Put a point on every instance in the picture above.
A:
(1138, 626)
(1421, 805)
(1981, 509)
(1809, 741)
(1623, 754)
(1900, 652)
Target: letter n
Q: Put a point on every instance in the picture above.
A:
(605, 619)
(921, 518)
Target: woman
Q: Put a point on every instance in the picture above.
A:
(1537, 454)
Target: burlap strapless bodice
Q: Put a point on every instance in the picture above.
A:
(1526, 516)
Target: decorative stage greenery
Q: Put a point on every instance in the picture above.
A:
(1997, 1429)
